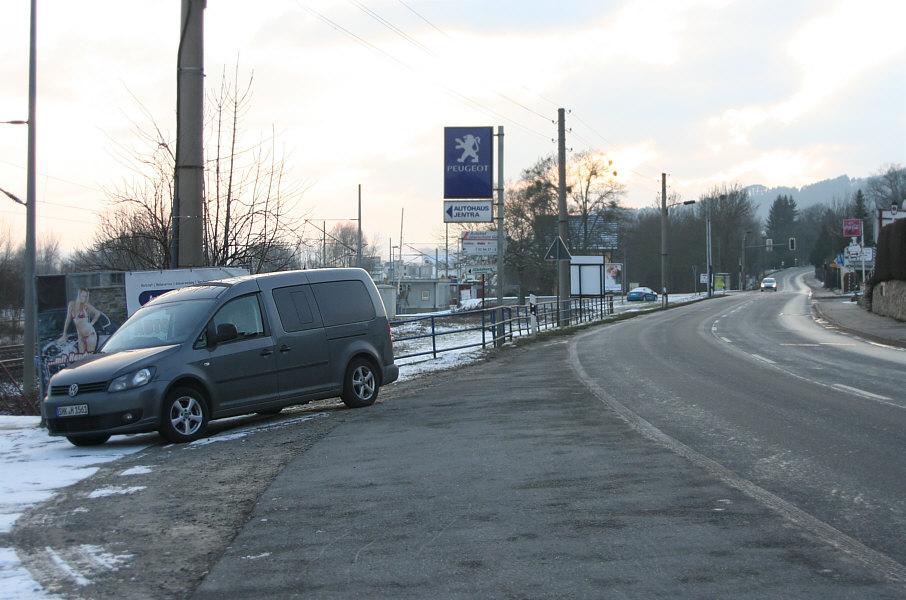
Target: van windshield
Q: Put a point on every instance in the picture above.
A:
(159, 325)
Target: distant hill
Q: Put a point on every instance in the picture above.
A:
(822, 192)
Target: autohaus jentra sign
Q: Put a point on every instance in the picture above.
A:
(468, 162)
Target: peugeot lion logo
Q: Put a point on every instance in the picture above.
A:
(74, 389)
(469, 147)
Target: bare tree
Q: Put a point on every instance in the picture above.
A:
(337, 247)
(248, 202)
(887, 187)
(135, 232)
(248, 205)
(12, 274)
(732, 221)
(594, 195)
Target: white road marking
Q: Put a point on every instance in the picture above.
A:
(763, 359)
(863, 393)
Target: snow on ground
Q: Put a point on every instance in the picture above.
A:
(35, 464)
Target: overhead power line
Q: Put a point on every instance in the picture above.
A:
(449, 90)
(424, 19)
(392, 27)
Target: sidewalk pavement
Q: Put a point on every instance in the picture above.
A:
(839, 310)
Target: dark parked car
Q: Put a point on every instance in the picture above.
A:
(641, 293)
(223, 348)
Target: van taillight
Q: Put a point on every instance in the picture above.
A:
(390, 334)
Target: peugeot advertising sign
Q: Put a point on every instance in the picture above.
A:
(468, 162)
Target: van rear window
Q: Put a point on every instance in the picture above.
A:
(343, 302)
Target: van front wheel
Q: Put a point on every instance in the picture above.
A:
(360, 385)
(184, 416)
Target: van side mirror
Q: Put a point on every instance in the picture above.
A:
(224, 333)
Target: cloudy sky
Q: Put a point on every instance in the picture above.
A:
(712, 92)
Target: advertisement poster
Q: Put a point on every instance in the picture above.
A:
(143, 286)
(479, 243)
(76, 315)
(613, 278)
(721, 282)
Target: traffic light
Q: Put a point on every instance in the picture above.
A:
(792, 243)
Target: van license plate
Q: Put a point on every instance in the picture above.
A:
(75, 410)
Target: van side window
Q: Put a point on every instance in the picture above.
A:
(293, 308)
(244, 313)
(343, 302)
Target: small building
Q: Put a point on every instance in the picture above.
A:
(424, 295)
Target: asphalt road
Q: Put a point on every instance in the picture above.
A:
(815, 417)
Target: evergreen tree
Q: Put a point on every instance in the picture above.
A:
(781, 226)
(860, 211)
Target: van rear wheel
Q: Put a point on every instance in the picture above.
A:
(360, 384)
(184, 415)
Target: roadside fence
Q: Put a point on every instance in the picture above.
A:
(424, 335)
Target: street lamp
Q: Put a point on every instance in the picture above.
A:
(664, 208)
(30, 333)
(708, 249)
(13, 197)
(392, 268)
(742, 262)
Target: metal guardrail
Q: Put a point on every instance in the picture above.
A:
(495, 325)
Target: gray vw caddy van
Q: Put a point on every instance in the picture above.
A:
(222, 348)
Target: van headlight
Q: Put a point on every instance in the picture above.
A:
(131, 380)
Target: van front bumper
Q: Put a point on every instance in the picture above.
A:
(129, 411)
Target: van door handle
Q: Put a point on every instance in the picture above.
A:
(267, 351)
(285, 348)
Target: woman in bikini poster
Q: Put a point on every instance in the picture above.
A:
(83, 316)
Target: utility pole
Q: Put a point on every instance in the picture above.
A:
(742, 262)
(359, 248)
(31, 309)
(562, 222)
(664, 239)
(500, 235)
(187, 213)
(708, 244)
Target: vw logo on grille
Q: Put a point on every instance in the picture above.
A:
(74, 389)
